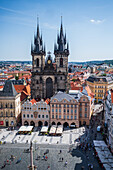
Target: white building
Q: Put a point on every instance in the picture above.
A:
(35, 113)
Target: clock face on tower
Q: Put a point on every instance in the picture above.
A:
(49, 61)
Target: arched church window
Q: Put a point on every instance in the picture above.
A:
(61, 62)
(37, 62)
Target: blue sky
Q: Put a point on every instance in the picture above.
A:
(88, 23)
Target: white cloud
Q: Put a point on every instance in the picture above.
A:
(96, 21)
(14, 11)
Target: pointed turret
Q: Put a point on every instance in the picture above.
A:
(67, 46)
(61, 41)
(55, 47)
(38, 42)
(61, 30)
(65, 39)
(44, 48)
(31, 46)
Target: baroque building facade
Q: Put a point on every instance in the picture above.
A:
(35, 113)
(73, 109)
(99, 86)
(10, 106)
(49, 77)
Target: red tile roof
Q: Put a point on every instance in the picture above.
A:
(19, 88)
(47, 100)
(33, 101)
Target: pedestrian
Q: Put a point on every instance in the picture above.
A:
(91, 166)
(46, 157)
(65, 163)
(60, 151)
(62, 159)
(59, 159)
(87, 157)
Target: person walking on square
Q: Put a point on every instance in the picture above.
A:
(65, 163)
(60, 151)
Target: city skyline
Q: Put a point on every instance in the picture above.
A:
(88, 26)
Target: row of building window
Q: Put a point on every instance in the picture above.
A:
(72, 117)
(29, 108)
(99, 91)
(67, 110)
(72, 106)
(39, 116)
(99, 95)
(84, 115)
(65, 101)
(6, 114)
(99, 86)
(6, 106)
(75, 117)
(59, 105)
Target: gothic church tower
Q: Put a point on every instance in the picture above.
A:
(49, 77)
(61, 52)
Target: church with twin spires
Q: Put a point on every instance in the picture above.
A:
(48, 76)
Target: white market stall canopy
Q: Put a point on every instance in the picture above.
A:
(53, 129)
(99, 143)
(44, 129)
(59, 129)
(25, 129)
(104, 154)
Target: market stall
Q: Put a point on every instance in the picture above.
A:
(59, 130)
(103, 154)
(53, 130)
(25, 130)
(44, 130)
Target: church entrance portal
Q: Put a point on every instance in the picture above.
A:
(49, 87)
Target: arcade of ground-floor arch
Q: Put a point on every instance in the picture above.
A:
(65, 124)
(32, 123)
(40, 123)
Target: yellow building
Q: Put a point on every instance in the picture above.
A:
(99, 85)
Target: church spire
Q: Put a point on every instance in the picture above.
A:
(61, 29)
(61, 41)
(38, 42)
(38, 33)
